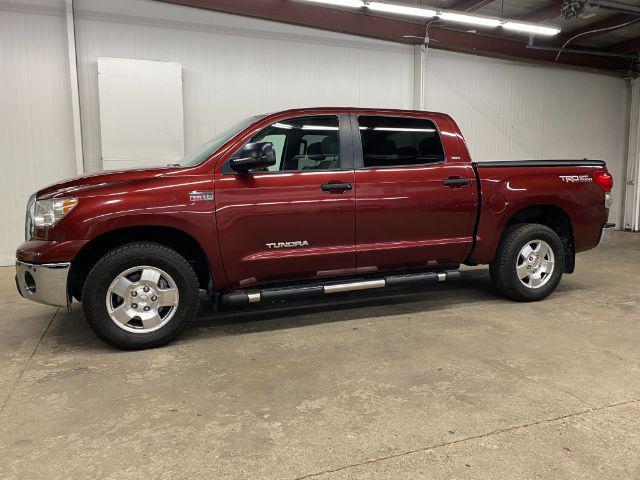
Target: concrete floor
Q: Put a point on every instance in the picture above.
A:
(448, 382)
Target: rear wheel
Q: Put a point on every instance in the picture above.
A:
(529, 262)
(140, 295)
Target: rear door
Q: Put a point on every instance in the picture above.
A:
(415, 200)
(295, 220)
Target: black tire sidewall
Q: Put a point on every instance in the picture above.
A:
(134, 255)
(504, 269)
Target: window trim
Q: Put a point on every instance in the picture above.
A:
(357, 143)
(347, 156)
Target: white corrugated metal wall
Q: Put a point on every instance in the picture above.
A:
(36, 125)
(235, 66)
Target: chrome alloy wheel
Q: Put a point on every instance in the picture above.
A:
(535, 264)
(142, 299)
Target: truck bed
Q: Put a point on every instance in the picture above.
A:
(539, 163)
(545, 188)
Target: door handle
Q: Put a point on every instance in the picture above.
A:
(455, 182)
(333, 187)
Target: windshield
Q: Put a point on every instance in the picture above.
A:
(205, 150)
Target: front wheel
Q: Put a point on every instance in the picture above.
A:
(529, 263)
(140, 295)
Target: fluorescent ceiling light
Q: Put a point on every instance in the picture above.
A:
(526, 27)
(401, 10)
(398, 129)
(447, 16)
(318, 127)
(469, 19)
(340, 3)
(305, 127)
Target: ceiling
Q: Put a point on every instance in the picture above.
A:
(613, 49)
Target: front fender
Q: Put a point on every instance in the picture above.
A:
(154, 202)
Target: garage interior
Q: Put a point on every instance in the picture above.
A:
(440, 382)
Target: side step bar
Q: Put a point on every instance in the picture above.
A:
(234, 299)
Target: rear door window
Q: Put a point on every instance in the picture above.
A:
(399, 141)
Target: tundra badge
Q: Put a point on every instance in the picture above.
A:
(302, 243)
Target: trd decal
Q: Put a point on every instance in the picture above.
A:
(576, 178)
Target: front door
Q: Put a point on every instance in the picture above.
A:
(415, 204)
(295, 220)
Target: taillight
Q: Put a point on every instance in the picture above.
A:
(604, 179)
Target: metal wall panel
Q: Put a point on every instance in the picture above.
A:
(632, 195)
(520, 111)
(141, 113)
(233, 66)
(36, 126)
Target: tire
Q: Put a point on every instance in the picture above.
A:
(154, 279)
(510, 265)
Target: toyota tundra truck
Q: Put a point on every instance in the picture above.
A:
(299, 204)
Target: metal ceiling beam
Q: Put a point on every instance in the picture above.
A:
(608, 23)
(396, 30)
(507, 47)
(470, 5)
(316, 16)
(617, 6)
(549, 12)
(628, 46)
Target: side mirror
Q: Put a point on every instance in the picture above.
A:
(254, 155)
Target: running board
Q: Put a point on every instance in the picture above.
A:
(238, 298)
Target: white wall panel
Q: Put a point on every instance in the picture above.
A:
(234, 66)
(36, 129)
(632, 194)
(522, 111)
(141, 113)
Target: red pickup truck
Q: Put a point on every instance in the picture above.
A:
(304, 203)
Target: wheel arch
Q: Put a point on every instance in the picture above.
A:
(554, 217)
(176, 239)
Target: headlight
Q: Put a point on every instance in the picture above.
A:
(28, 222)
(49, 212)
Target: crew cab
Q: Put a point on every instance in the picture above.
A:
(305, 203)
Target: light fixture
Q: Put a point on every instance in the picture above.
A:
(469, 19)
(398, 129)
(528, 28)
(401, 10)
(340, 3)
(448, 16)
(319, 127)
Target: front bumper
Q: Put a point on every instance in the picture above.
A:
(44, 283)
(606, 236)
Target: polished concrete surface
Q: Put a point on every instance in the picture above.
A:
(445, 382)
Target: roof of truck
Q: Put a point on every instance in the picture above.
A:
(356, 109)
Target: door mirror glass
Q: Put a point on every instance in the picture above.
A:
(254, 156)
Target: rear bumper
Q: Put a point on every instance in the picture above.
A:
(43, 283)
(606, 236)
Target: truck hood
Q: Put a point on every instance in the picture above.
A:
(84, 182)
